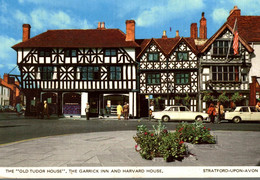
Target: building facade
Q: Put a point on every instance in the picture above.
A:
(104, 67)
(68, 68)
(4, 95)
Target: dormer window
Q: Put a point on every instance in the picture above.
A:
(182, 56)
(71, 53)
(44, 52)
(110, 52)
(153, 56)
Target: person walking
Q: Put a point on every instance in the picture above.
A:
(257, 106)
(119, 110)
(219, 112)
(211, 112)
(46, 109)
(126, 111)
(87, 111)
(18, 109)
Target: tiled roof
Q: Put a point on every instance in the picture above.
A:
(167, 45)
(248, 27)
(77, 38)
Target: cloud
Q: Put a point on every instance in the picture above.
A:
(171, 9)
(1, 65)
(220, 15)
(5, 47)
(248, 7)
(20, 16)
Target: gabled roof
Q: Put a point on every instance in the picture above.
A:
(248, 27)
(77, 38)
(219, 32)
(166, 45)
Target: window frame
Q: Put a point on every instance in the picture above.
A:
(115, 74)
(153, 78)
(182, 52)
(90, 73)
(225, 73)
(108, 52)
(153, 55)
(46, 75)
(44, 51)
(186, 79)
(223, 45)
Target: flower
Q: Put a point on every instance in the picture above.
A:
(145, 133)
(180, 129)
(165, 131)
(181, 142)
(152, 134)
(136, 146)
(204, 127)
(209, 129)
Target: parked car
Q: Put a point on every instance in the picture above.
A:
(8, 108)
(243, 113)
(179, 113)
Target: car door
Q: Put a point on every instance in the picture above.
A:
(244, 113)
(174, 113)
(185, 113)
(255, 115)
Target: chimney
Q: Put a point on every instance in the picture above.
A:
(130, 30)
(99, 25)
(164, 36)
(177, 33)
(194, 31)
(235, 12)
(6, 77)
(203, 27)
(103, 25)
(26, 32)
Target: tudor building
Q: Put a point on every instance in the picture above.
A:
(68, 68)
(226, 73)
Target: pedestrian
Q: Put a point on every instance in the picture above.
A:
(211, 112)
(18, 109)
(126, 111)
(46, 109)
(119, 110)
(257, 106)
(219, 112)
(87, 111)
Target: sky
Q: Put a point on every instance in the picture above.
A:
(152, 17)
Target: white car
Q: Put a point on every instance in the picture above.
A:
(179, 113)
(243, 113)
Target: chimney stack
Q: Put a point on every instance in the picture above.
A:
(203, 27)
(26, 32)
(194, 31)
(164, 36)
(99, 25)
(177, 33)
(103, 25)
(235, 12)
(130, 30)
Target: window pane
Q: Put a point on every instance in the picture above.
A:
(73, 53)
(67, 53)
(107, 52)
(214, 76)
(150, 57)
(113, 52)
(41, 53)
(155, 57)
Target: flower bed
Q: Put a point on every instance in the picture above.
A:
(170, 145)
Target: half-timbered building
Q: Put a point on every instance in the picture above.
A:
(221, 70)
(168, 68)
(69, 68)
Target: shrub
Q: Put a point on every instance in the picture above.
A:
(195, 133)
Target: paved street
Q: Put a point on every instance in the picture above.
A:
(13, 128)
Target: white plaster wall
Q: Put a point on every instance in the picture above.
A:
(131, 52)
(255, 68)
(84, 100)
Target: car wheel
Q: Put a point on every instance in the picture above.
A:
(199, 119)
(236, 119)
(165, 118)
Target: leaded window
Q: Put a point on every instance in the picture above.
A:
(44, 52)
(182, 78)
(225, 73)
(153, 56)
(71, 53)
(221, 48)
(182, 56)
(110, 52)
(154, 78)
(89, 73)
(46, 72)
(115, 72)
